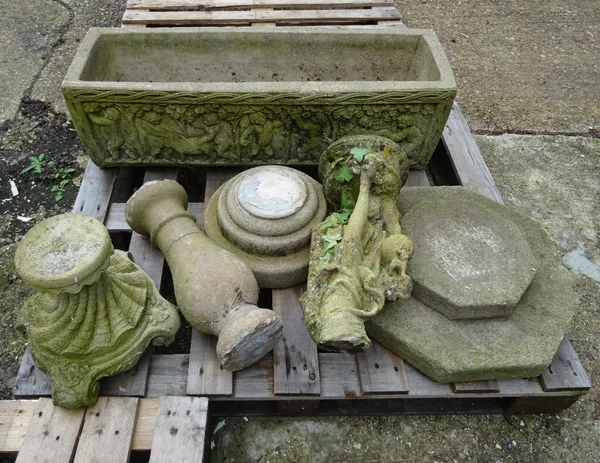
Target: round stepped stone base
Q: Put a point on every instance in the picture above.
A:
(265, 216)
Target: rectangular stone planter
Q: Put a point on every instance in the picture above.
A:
(240, 96)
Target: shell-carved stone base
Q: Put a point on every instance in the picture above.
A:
(76, 339)
(100, 325)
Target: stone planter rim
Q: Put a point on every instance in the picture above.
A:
(320, 89)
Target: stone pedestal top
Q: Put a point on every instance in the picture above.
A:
(469, 262)
(271, 193)
(63, 252)
(265, 216)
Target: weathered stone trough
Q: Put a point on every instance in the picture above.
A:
(233, 96)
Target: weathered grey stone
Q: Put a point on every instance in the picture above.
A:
(359, 254)
(240, 96)
(520, 345)
(469, 262)
(215, 291)
(265, 216)
(96, 311)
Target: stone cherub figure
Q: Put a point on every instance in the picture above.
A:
(358, 254)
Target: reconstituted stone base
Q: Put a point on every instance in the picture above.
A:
(521, 345)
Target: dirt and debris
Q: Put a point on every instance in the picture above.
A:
(35, 130)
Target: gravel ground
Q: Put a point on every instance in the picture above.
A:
(529, 67)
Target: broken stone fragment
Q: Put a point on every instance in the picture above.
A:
(215, 290)
(359, 253)
(492, 299)
(265, 216)
(95, 312)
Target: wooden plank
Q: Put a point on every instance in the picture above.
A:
(108, 431)
(52, 434)
(470, 168)
(168, 375)
(130, 383)
(339, 376)
(116, 222)
(520, 387)
(95, 191)
(15, 416)
(133, 382)
(477, 387)
(273, 24)
(417, 178)
(168, 18)
(565, 373)
(180, 430)
(423, 386)
(145, 424)
(31, 381)
(295, 360)
(206, 376)
(381, 371)
(149, 258)
(255, 381)
(252, 4)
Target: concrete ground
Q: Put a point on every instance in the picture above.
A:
(522, 67)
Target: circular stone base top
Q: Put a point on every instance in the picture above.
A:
(271, 192)
(62, 251)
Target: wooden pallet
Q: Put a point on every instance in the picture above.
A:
(172, 429)
(168, 13)
(296, 377)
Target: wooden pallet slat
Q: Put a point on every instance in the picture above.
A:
(295, 359)
(565, 373)
(180, 18)
(15, 417)
(132, 382)
(180, 430)
(107, 432)
(381, 371)
(339, 376)
(469, 166)
(476, 387)
(416, 178)
(206, 376)
(255, 381)
(252, 4)
(31, 381)
(95, 191)
(52, 434)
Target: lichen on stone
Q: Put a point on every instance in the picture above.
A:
(358, 253)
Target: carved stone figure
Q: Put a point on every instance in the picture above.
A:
(95, 312)
(215, 290)
(265, 216)
(358, 254)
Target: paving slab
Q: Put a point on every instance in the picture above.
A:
(29, 31)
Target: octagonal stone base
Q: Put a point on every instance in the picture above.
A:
(468, 262)
(521, 345)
